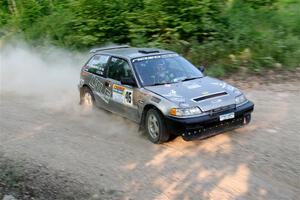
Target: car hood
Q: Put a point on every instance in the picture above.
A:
(207, 93)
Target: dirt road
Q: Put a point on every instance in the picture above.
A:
(260, 161)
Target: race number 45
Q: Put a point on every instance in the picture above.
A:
(128, 97)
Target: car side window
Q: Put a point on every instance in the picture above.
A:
(119, 68)
(98, 64)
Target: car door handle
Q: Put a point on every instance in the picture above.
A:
(106, 84)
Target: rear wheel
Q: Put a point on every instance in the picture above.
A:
(87, 97)
(155, 127)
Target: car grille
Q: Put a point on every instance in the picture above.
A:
(222, 109)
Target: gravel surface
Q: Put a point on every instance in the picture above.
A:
(108, 155)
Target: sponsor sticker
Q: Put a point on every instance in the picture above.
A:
(106, 96)
(97, 86)
(193, 86)
(118, 89)
(154, 57)
(122, 95)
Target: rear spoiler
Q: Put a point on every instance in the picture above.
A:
(109, 48)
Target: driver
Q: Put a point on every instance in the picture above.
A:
(162, 74)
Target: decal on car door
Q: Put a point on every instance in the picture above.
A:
(128, 96)
(122, 95)
(97, 86)
(106, 96)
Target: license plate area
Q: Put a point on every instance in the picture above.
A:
(226, 116)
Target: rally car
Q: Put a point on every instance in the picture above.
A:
(163, 92)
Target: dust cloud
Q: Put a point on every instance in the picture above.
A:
(45, 79)
(50, 74)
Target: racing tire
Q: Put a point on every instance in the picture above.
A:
(155, 127)
(87, 97)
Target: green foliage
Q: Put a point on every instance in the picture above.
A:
(266, 33)
(165, 22)
(260, 3)
(223, 35)
(4, 14)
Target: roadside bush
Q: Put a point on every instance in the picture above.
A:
(223, 35)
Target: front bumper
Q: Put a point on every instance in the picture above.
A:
(209, 125)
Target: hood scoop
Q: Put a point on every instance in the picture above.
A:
(210, 96)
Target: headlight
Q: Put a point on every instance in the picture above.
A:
(185, 111)
(240, 99)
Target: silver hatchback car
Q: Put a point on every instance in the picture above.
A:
(163, 92)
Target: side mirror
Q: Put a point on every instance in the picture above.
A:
(128, 81)
(202, 68)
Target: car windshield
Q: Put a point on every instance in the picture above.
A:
(164, 69)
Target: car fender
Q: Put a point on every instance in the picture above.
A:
(150, 100)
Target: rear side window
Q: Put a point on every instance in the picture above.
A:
(119, 68)
(97, 64)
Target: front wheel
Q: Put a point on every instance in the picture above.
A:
(156, 128)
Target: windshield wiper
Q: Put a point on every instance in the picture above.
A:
(185, 79)
(192, 78)
(159, 84)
